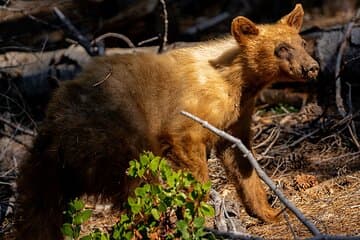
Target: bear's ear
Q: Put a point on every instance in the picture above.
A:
(295, 18)
(241, 28)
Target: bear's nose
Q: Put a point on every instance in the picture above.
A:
(312, 70)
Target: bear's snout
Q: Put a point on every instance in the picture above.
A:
(311, 70)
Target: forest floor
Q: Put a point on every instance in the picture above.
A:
(310, 157)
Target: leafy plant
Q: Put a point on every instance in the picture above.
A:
(76, 215)
(173, 206)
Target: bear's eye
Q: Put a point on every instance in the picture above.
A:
(303, 43)
(283, 50)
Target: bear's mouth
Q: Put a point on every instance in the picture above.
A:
(309, 75)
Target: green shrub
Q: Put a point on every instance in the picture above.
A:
(172, 206)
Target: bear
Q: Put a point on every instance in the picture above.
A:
(122, 105)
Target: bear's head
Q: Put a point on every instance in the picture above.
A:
(275, 51)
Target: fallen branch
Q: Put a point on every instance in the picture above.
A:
(83, 41)
(310, 226)
(231, 235)
(17, 127)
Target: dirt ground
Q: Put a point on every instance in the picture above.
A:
(312, 158)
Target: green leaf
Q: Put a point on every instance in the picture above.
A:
(134, 205)
(164, 169)
(124, 218)
(188, 180)
(144, 160)
(200, 234)
(156, 189)
(82, 217)
(206, 187)
(140, 192)
(162, 207)
(207, 210)
(141, 172)
(182, 228)
(104, 237)
(154, 165)
(128, 235)
(155, 213)
(67, 230)
(188, 215)
(78, 204)
(86, 214)
(199, 222)
(193, 195)
(116, 234)
(76, 231)
(86, 238)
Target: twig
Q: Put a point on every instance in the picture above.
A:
(147, 41)
(15, 139)
(164, 34)
(345, 120)
(5, 183)
(268, 139)
(105, 78)
(351, 126)
(353, 136)
(114, 35)
(333, 159)
(233, 227)
(219, 217)
(290, 226)
(21, 107)
(327, 237)
(232, 235)
(312, 228)
(272, 143)
(17, 127)
(303, 138)
(83, 41)
(339, 100)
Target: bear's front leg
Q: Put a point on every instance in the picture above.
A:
(242, 173)
(188, 152)
(248, 185)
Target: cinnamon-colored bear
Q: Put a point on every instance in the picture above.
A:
(122, 105)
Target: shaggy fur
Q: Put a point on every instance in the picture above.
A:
(122, 105)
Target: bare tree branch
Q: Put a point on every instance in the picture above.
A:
(114, 35)
(164, 35)
(17, 127)
(83, 41)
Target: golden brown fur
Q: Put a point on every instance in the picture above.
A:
(124, 104)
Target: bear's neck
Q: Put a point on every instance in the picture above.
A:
(234, 67)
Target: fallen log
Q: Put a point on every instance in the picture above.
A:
(33, 23)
